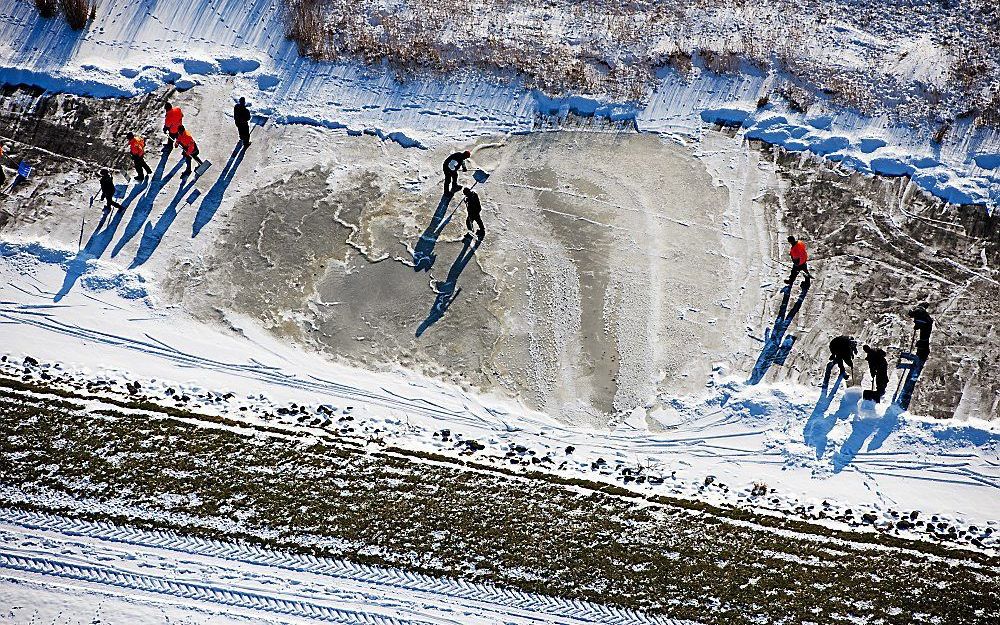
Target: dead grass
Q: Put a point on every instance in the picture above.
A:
(47, 8)
(78, 12)
(720, 62)
(391, 508)
(615, 50)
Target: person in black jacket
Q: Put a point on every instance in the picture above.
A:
(241, 114)
(475, 210)
(450, 167)
(842, 350)
(923, 323)
(878, 366)
(108, 190)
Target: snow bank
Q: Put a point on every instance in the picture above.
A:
(137, 47)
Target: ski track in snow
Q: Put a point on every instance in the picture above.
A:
(137, 47)
(134, 564)
(740, 434)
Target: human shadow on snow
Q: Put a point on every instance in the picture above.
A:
(153, 235)
(97, 244)
(819, 424)
(777, 346)
(144, 208)
(879, 428)
(423, 252)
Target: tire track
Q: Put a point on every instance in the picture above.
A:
(394, 580)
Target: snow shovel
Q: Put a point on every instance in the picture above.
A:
(202, 168)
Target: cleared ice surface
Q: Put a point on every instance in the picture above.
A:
(137, 47)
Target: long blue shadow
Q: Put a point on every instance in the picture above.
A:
(777, 346)
(144, 208)
(423, 251)
(819, 424)
(900, 403)
(98, 242)
(880, 429)
(213, 199)
(153, 235)
(50, 40)
(448, 291)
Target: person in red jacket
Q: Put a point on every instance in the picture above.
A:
(186, 142)
(799, 259)
(172, 121)
(137, 148)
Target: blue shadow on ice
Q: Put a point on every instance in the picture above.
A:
(213, 199)
(144, 208)
(153, 235)
(777, 346)
(97, 244)
(820, 423)
(423, 251)
(448, 291)
(880, 428)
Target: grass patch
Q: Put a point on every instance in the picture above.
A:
(432, 514)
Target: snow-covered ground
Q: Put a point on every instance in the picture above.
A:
(149, 304)
(804, 447)
(55, 570)
(137, 47)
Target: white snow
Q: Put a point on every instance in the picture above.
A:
(57, 571)
(803, 447)
(137, 47)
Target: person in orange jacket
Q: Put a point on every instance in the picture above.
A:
(172, 121)
(186, 142)
(799, 259)
(137, 148)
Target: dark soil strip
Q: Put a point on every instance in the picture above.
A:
(536, 534)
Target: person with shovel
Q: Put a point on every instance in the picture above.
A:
(878, 366)
(923, 323)
(108, 190)
(474, 210)
(450, 167)
(172, 119)
(241, 115)
(842, 350)
(137, 148)
(186, 142)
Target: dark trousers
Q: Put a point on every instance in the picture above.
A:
(841, 361)
(110, 202)
(476, 219)
(244, 130)
(923, 349)
(452, 178)
(804, 268)
(187, 159)
(141, 168)
(881, 382)
(3, 176)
